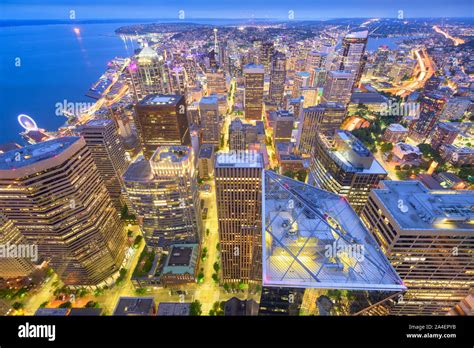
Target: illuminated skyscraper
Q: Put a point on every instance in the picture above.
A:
(148, 74)
(210, 120)
(11, 238)
(266, 54)
(109, 155)
(216, 82)
(277, 78)
(53, 193)
(163, 193)
(323, 118)
(343, 165)
(338, 87)
(431, 106)
(428, 236)
(178, 80)
(301, 79)
(161, 120)
(254, 81)
(353, 49)
(238, 180)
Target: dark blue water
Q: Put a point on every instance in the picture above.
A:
(56, 65)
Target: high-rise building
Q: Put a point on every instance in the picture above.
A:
(178, 80)
(254, 83)
(431, 106)
(338, 87)
(241, 135)
(444, 134)
(266, 53)
(148, 74)
(323, 118)
(300, 80)
(343, 165)
(216, 82)
(109, 155)
(238, 178)
(163, 193)
(427, 236)
(283, 125)
(21, 263)
(53, 193)
(353, 49)
(210, 120)
(161, 121)
(277, 78)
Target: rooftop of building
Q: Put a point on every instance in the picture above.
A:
(161, 99)
(362, 34)
(239, 159)
(235, 306)
(414, 207)
(57, 312)
(341, 73)
(206, 151)
(171, 154)
(135, 306)
(254, 68)
(397, 127)
(139, 170)
(407, 148)
(211, 99)
(351, 154)
(182, 259)
(301, 224)
(85, 312)
(173, 309)
(368, 98)
(98, 123)
(32, 154)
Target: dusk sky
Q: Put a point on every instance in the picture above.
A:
(303, 9)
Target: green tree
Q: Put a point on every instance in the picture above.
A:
(196, 308)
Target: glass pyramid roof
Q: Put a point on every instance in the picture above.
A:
(313, 239)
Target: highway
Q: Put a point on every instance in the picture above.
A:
(456, 40)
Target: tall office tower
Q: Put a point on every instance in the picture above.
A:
(237, 135)
(216, 82)
(161, 120)
(343, 165)
(53, 193)
(210, 120)
(256, 52)
(266, 54)
(148, 74)
(163, 193)
(318, 77)
(444, 134)
(431, 106)
(338, 87)
(212, 56)
(427, 236)
(283, 125)
(300, 80)
(277, 78)
(314, 61)
(353, 49)
(21, 263)
(253, 98)
(238, 180)
(109, 155)
(178, 80)
(324, 118)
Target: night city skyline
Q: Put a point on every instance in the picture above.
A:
(240, 159)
